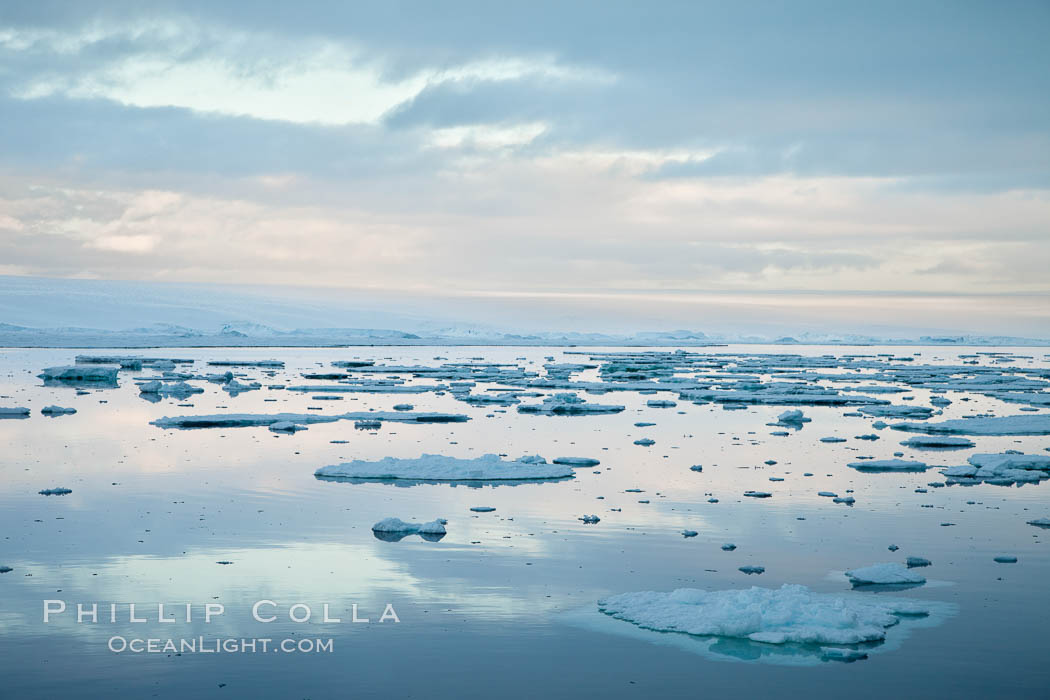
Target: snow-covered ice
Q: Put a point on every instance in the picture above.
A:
(430, 467)
(884, 574)
(789, 614)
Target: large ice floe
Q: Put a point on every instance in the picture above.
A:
(567, 405)
(429, 467)
(1038, 424)
(88, 374)
(943, 442)
(1003, 469)
(888, 465)
(243, 420)
(789, 614)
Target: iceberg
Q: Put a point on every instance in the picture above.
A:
(789, 614)
(431, 467)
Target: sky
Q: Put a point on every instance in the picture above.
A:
(559, 151)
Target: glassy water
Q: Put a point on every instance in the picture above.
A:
(505, 603)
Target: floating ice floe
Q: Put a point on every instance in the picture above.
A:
(789, 614)
(577, 461)
(1005, 559)
(57, 411)
(890, 573)
(14, 412)
(792, 417)
(567, 405)
(645, 442)
(917, 562)
(367, 388)
(1001, 469)
(275, 364)
(888, 465)
(482, 509)
(833, 439)
(171, 388)
(937, 441)
(57, 491)
(689, 533)
(5, 569)
(395, 529)
(1040, 522)
(994, 425)
(93, 374)
(286, 426)
(892, 411)
(243, 420)
(840, 654)
(758, 494)
(430, 467)
(235, 387)
(590, 519)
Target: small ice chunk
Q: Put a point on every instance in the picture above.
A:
(840, 654)
(482, 509)
(749, 570)
(57, 491)
(590, 519)
(577, 461)
(916, 562)
(696, 468)
(57, 411)
(689, 533)
(757, 494)
(399, 526)
(645, 442)
(1006, 559)
(286, 426)
(728, 547)
(793, 416)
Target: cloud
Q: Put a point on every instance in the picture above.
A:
(523, 147)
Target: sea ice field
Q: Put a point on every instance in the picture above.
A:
(797, 521)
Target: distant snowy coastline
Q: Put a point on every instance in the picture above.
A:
(256, 335)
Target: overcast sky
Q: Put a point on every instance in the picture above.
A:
(530, 147)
